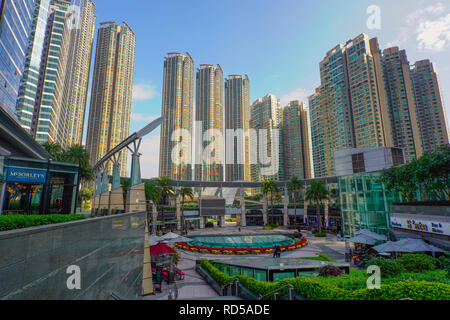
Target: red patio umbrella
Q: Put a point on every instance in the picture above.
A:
(161, 248)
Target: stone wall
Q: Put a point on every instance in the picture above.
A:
(108, 250)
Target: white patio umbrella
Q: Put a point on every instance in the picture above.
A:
(170, 236)
(418, 245)
(154, 240)
(362, 239)
(174, 237)
(391, 246)
(371, 234)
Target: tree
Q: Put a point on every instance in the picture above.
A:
(125, 183)
(152, 193)
(318, 192)
(54, 149)
(166, 191)
(185, 192)
(430, 174)
(269, 187)
(295, 185)
(79, 155)
(86, 194)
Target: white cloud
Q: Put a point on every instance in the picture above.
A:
(300, 94)
(143, 92)
(434, 35)
(427, 26)
(139, 117)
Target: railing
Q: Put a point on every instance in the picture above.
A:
(275, 293)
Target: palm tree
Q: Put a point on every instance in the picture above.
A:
(125, 183)
(185, 193)
(318, 192)
(295, 186)
(79, 155)
(54, 149)
(269, 187)
(166, 191)
(152, 193)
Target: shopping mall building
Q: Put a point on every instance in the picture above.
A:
(30, 181)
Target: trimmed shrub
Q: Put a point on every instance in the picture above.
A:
(417, 262)
(218, 275)
(443, 262)
(321, 257)
(322, 234)
(26, 221)
(340, 287)
(388, 267)
(330, 270)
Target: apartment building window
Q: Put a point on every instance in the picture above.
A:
(397, 157)
(358, 163)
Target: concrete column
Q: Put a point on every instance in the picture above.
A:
(326, 214)
(154, 215)
(178, 211)
(243, 220)
(286, 211)
(305, 209)
(202, 222)
(2, 195)
(222, 221)
(265, 209)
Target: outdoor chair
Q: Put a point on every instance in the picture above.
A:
(180, 274)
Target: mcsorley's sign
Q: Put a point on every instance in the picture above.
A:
(26, 175)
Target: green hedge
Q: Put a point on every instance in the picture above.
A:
(388, 267)
(218, 275)
(322, 234)
(25, 221)
(341, 287)
(417, 262)
(321, 257)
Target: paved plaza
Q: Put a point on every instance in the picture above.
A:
(195, 287)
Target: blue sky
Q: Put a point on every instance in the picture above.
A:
(278, 43)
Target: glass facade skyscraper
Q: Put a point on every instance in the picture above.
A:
(16, 18)
(28, 85)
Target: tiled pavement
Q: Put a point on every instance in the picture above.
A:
(195, 287)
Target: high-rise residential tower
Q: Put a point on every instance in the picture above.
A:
(349, 109)
(266, 143)
(401, 105)
(296, 142)
(16, 18)
(112, 89)
(28, 84)
(178, 107)
(237, 117)
(83, 38)
(430, 113)
(209, 149)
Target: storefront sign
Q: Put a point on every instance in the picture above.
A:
(26, 175)
(421, 225)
